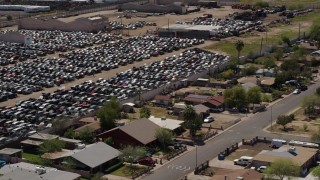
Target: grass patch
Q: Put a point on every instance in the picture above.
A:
(126, 170)
(160, 112)
(31, 157)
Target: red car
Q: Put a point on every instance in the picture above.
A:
(148, 161)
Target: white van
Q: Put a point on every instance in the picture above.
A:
(243, 160)
(276, 143)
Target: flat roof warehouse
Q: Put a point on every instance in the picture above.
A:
(188, 31)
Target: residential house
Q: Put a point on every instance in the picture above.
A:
(195, 99)
(35, 140)
(266, 72)
(138, 133)
(163, 100)
(202, 110)
(248, 85)
(215, 102)
(96, 157)
(302, 156)
(170, 124)
(178, 108)
(235, 174)
(10, 154)
(26, 171)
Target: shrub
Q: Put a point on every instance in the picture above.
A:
(261, 4)
(114, 167)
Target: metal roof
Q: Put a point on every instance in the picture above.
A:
(170, 124)
(60, 175)
(146, 136)
(9, 151)
(96, 154)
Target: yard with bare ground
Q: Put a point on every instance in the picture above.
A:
(246, 150)
(302, 125)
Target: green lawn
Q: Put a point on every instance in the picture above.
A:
(31, 157)
(126, 171)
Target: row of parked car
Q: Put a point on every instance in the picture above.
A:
(32, 76)
(226, 27)
(48, 42)
(139, 24)
(90, 96)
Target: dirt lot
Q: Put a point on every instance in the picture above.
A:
(199, 90)
(221, 120)
(246, 150)
(302, 125)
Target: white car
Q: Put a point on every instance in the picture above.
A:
(296, 91)
(262, 168)
(208, 119)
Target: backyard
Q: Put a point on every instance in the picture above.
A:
(246, 150)
(127, 170)
(302, 125)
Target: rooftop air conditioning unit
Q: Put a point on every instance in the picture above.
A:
(292, 149)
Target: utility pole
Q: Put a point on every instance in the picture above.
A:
(266, 35)
(261, 47)
(168, 28)
(299, 30)
(271, 119)
(196, 156)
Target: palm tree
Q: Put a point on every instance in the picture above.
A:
(239, 46)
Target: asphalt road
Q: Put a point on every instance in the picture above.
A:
(246, 129)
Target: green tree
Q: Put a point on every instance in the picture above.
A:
(282, 168)
(316, 172)
(318, 91)
(109, 141)
(191, 119)
(97, 176)
(315, 31)
(108, 113)
(283, 120)
(269, 63)
(69, 163)
(290, 65)
(254, 95)
(9, 17)
(261, 4)
(52, 145)
(86, 135)
(286, 40)
(315, 137)
(239, 46)
(249, 71)
(145, 112)
(236, 97)
(69, 134)
(164, 136)
(132, 154)
(278, 54)
(59, 125)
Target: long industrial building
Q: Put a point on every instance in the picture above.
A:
(25, 8)
(91, 24)
(187, 31)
